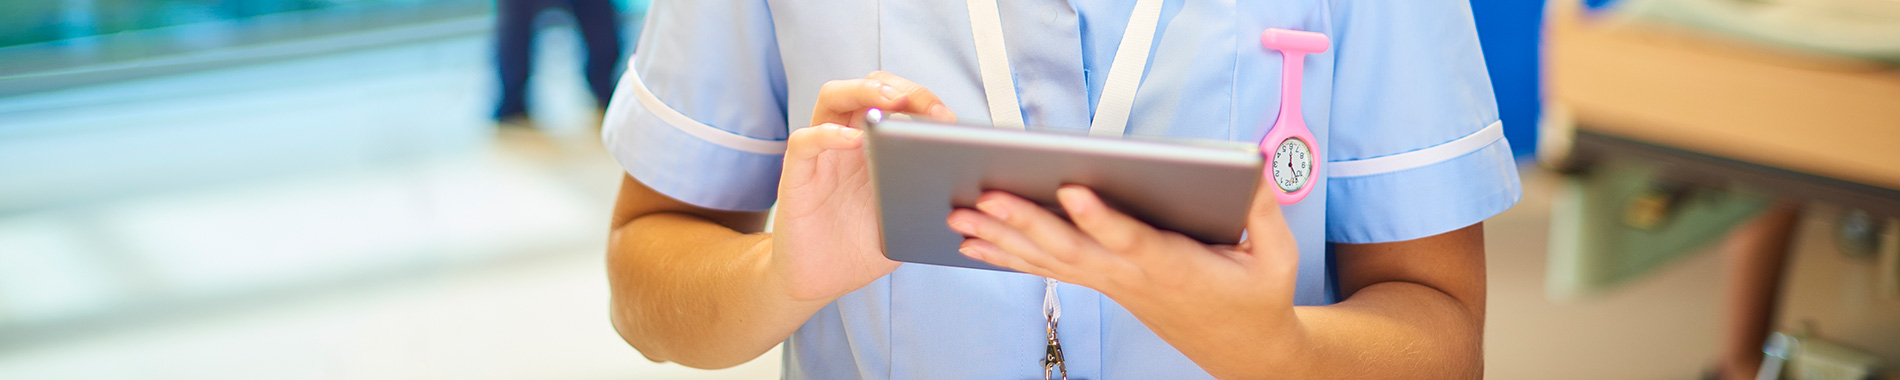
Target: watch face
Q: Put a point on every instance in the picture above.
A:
(1292, 165)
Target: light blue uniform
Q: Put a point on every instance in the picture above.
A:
(1401, 106)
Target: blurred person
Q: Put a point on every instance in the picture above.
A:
(733, 106)
(1755, 255)
(599, 26)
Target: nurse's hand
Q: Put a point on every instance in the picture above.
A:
(825, 238)
(1176, 285)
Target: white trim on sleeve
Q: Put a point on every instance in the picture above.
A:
(1418, 158)
(697, 129)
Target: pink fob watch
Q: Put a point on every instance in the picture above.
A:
(1292, 153)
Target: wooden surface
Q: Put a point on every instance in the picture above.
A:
(1832, 117)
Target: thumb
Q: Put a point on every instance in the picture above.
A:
(1267, 233)
(805, 144)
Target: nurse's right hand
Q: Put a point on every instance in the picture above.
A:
(825, 239)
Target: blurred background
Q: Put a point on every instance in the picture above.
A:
(239, 189)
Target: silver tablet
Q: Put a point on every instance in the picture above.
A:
(922, 170)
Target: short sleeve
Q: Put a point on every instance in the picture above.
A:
(700, 116)
(1416, 148)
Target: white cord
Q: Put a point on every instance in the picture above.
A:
(1051, 303)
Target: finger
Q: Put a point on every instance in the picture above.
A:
(920, 100)
(1011, 242)
(841, 100)
(1115, 231)
(805, 144)
(985, 251)
(1056, 236)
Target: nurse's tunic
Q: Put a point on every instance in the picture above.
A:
(1401, 107)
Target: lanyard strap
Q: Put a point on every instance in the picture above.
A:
(992, 62)
(1124, 74)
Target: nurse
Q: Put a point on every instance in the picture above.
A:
(733, 106)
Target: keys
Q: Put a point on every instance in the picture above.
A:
(1052, 363)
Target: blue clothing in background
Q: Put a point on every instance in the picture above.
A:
(1401, 105)
(514, 48)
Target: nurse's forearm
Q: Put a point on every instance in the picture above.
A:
(1415, 310)
(1390, 330)
(694, 292)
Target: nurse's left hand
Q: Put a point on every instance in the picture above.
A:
(1176, 285)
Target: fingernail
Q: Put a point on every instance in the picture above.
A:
(961, 226)
(939, 112)
(1071, 198)
(890, 93)
(970, 253)
(850, 133)
(992, 208)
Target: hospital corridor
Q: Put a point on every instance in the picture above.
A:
(280, 189)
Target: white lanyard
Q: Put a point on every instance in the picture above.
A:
(1124, 74)
(1111, 113)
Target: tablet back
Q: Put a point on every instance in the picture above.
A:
(922, 170)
